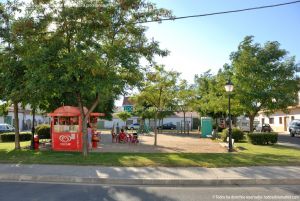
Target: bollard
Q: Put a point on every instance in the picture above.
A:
(36, 142)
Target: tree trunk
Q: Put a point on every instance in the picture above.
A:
(83, 127)
(32, 128)
(84, 118)
(159, 124)
(155, 130)
(17, 134)
(85, 144)
(184, 124)
(251, 117)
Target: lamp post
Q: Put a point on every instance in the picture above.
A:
(229, 89)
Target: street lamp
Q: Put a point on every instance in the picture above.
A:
(229, 89)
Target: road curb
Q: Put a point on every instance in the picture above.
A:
(147, 181)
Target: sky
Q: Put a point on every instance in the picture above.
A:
(200, 44)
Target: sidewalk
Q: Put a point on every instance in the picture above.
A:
(275, 175)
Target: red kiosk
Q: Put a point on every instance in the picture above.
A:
(66, 126)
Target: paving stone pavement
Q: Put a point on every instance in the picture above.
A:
(275, 175)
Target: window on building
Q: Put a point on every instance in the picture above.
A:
(263, 121)
(280, 120)
(271, 120)
(292, 118)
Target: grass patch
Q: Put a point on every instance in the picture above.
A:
(248, 155)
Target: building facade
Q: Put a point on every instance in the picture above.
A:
(25, 118)
(279, 121)
(191, 118)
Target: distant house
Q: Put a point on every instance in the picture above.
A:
(127, 104)
(25, 118)
(279, 120)
(192, 118)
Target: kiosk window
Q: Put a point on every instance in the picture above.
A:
(66, 124)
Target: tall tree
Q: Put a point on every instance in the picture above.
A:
(211, 98)
(92, 52)
(185, 98)
(264, 77)
(124, 115)
(142, 109)
(159, 90)
(12, 69)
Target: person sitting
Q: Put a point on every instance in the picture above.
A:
(122, 136)
(135, 138)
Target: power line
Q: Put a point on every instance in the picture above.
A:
(223, 12)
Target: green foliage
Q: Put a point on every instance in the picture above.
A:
(10, 137)
(237, 134)
(157, 93)
(262, 138)
(264, 77)
(43, 131)
(12, 68)
(124, 115)
(99, 56)
(185, 96)
(212, 100)
(91, 55)
(4, 106)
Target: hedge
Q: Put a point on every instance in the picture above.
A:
(236, 134)
(262, 138)
(43, 131)
(10, 137)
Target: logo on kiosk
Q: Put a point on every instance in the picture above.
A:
(66, 138)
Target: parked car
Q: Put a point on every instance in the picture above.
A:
(293, 121)
(294, 127)
(167, 126)
(134, 126)
(263, 128)
(6, 128)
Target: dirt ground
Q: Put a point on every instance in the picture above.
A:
(166, 143)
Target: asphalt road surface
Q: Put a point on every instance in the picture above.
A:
(286, 139)
(14, 191)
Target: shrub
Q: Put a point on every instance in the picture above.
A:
(262, 138)
(220, 129)
(214, 126)
(237, 134)
(43, 131)
(10, 137)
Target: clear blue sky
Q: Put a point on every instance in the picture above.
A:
(200, 44)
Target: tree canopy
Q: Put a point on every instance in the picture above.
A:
(124, 115)
(86, 52)
(158, 92)
(264, 76)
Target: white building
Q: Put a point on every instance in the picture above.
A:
(279, 121)
(191, 118)
(177, 119)
(25, 118)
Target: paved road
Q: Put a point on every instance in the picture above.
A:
(286, 139)
(13, 191)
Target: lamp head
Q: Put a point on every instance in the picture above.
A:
(229, 86)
